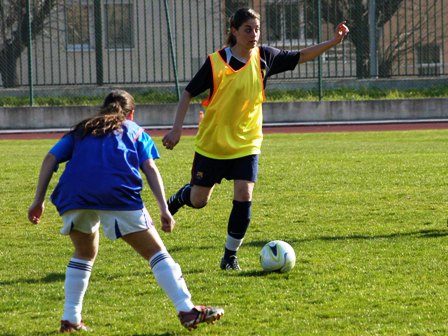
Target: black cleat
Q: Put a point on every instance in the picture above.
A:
(230, 263)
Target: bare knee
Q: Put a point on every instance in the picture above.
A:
(200, 196)
(146, 243)
(86, 245)
(198, 204)
(243, 190)
(85, 255)
(86, 252)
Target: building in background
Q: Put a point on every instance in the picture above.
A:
(140, 42)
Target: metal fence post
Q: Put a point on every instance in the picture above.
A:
(319, 39)
(98, 43)
(173, 56)
(30, 54)
(373, 40)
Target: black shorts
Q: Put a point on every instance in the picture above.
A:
(206, 171)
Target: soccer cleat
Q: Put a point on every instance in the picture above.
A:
(176, 202)
(68, 327)
(200, 314)
(230, 263)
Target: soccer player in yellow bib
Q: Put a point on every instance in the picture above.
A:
(228, 141)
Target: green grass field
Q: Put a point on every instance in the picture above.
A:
(365, 212)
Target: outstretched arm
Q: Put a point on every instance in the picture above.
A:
(312, 52)
(36, 209)
(171, 139)
(156, 184)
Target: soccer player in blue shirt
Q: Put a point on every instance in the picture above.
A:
(101, 184)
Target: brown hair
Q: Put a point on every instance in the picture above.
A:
(237, 20)
(115, 109)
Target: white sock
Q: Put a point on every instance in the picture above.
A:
(169, 277)
(77, 278)
(233, 244)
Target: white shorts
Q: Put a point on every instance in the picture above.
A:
(115, 223)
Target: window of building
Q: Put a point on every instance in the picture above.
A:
(429, 59)
(119, 17)
(233, 5)
(292, 21)
(78, 18)
(282, 20)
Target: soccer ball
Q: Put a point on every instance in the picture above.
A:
(277, 255)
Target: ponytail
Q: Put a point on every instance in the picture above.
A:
(116, 107)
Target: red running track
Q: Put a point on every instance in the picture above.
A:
(266, 130)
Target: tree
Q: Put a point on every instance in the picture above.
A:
(356, 14)
(414, 38)
(14, 32)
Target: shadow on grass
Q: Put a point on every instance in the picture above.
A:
(257, 274)
(36, 333)
(417, 234)
(163, 334)
(174, 249)
(56, 332)
(261, 243)
(52, 277)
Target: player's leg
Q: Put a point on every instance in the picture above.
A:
(179, 199)
(200, 196)
(168, 275)
(205, 173)
(82, 226)
(244, 172)
(77, 277)
(238, 223)
(166, 271)
(193, 196)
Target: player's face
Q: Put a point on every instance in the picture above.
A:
(248, 34)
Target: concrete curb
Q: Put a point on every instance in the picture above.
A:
(274, 113)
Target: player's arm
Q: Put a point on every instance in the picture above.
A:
(312, 52)
(202, 81)
(36, 209)
(155, 182)
(172, 138)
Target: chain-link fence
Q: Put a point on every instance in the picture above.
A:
(156, 42)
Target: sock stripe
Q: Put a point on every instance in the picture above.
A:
(80, 266)
(158, 258)
(181, 196)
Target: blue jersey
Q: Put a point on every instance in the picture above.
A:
(102, 173)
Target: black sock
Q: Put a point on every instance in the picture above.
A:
(185, 195)
(228, 253)
(238, 223)
(179, 199)
(239, 219)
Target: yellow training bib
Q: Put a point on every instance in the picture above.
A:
(232, 123)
